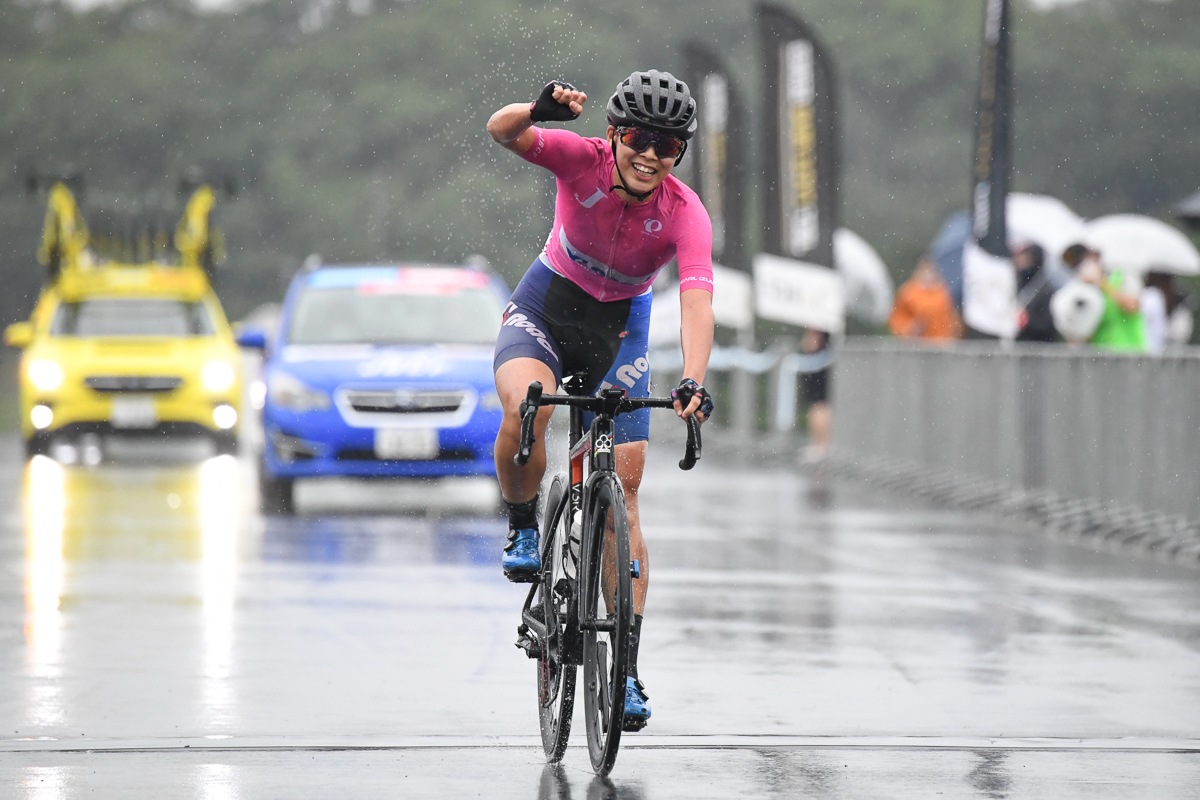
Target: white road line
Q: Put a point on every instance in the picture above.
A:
(641, 742)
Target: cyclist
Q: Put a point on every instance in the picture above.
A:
(584, 304)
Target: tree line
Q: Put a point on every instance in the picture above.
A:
(355, 128)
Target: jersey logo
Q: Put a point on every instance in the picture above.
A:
(653, 226)
(591, 201)
(629, 373)
(521, 321)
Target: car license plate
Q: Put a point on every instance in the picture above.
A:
(134, 412)
(406, 444)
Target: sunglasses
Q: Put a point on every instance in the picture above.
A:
(640, 139)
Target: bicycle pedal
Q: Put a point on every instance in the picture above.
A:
(528, 644)
(632, 725)
(522, 576)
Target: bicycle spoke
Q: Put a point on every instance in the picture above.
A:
(607, 616)
(556, 674)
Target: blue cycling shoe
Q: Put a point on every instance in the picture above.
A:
(637, 706)
(522, 560)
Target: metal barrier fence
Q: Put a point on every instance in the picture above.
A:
(1116, 429)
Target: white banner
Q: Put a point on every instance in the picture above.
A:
(799, 293)
(733, 298)
(989, 292)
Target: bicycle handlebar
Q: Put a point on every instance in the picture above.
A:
(529, 408)
(535, 399)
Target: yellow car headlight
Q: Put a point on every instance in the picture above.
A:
(217, 376)
(45, 375)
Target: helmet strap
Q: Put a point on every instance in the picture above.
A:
(625, 186)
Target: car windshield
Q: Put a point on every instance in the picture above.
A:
(132, 317)
(360, 315)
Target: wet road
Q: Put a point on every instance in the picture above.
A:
(159, 638)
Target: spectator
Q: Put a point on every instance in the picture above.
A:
(924, 308)
(1121, 325)
(816, 394)
(1034, 290)
(1167, 313)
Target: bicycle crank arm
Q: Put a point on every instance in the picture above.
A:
(535, 626)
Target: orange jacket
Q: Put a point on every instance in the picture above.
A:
(925, 312)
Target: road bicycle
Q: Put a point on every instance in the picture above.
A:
(579, 610)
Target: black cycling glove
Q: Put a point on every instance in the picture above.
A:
(688, 388)
(547, 109)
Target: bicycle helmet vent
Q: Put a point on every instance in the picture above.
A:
(655, 100)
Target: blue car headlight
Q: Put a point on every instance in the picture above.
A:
(289, 392)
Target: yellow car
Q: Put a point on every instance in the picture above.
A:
(128, 349)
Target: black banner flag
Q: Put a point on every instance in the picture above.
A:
(993, 146)
(719, 151)
(800, 132)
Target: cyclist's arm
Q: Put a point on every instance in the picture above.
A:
(696, 332)
(511, 126)
(694, 256)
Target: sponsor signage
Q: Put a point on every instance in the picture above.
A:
(714, 93)
(798, 150)
(718, 150)
(992, 151)
(799, 293)
(989, 292)
(733, 298)
(800, 145)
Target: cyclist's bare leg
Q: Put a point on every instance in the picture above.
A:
(631, 462)
(520, 484)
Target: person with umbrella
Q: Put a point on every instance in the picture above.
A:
(1121, 325)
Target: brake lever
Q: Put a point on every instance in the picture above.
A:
(691, 453)
(528, 409)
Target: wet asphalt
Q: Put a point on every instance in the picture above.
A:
(803, 638)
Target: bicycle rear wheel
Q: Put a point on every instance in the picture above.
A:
(555, 598)
(606, 619)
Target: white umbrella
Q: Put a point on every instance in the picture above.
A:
(1043, 220)
(1142, 244)
(868, 284)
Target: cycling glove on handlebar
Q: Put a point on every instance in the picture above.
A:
(547, 109)
(686, 389)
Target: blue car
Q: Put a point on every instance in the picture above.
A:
(380, 371)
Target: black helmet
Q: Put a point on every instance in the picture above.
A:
(655, 100)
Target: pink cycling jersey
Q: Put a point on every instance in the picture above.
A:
(613, 249)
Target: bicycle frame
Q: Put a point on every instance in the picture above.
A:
(584, 622)
(591, 455)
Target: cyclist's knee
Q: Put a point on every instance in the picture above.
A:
(631, 463)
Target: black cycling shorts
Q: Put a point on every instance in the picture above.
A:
(552, 320)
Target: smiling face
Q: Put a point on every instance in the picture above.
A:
(643, 171)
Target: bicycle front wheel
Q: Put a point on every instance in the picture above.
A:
(606, 619)
(556, 600)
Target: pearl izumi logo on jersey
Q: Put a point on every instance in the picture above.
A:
(653, 226)
(521, 321)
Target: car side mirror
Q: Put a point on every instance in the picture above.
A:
(19, 334)
(252, 338)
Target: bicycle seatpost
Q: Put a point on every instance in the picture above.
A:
(528, 408)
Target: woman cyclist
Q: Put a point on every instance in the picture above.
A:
(584, 304)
